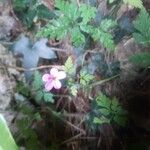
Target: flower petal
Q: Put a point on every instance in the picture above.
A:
(46, 77)
(48, 86)
(57, 84)
(54, 72)
(61, 75)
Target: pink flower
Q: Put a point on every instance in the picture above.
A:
(52, 80)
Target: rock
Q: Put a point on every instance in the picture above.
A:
(102, 7)
(124, 50)
(7, 83)
(9, 26)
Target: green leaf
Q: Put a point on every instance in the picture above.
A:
(69, 19)
(38, 116)
(69, 66)
(39, 96)
(111, 1)
(85, 78)
(103, 101)
(120, 111)
(87, 13)
(120, 120)
(111, 109)
(74, 90)
(134, 3)
(25, 109)
(107, 24)
(48, 97)
(142, 24)
(86, 28)
(20, 5)
(101, 120)
(23, 123)
(114, 104)
(141, 59)
(30, 10)
(103, 33)
(43, 12)
(6, 140)
(77, 37)
(29, 17)
(62, 5)
(37, 83)
(23, 89)
(104, 111)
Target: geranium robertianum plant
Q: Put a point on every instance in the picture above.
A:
(76, 21)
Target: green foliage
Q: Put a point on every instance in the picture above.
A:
(134, 3)
(85, 78)
(110, 111)
(77, 37)
(26, 130)
(20, 5)
(103, 33)
(69, 66)
(72, 86)
(74, 90)
(111, 1)
(23, 89)
(66, 23)
(142, 24)
(141, 59)
(41, 94)
(48, 97)
(101, 120)
(6, 140)
(29, 10)
(87, 13)
(74, 21)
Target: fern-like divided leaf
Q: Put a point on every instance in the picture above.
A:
(77, 37)
(69, 66)
(75, 21)
(74, 90)
(87, 13)
(110, 111)
(134, 3)
(85, 78)
(142, 25)
(28, 10)
(101, 120)
(141, 59)
(48, 97)
(39, 96)
(103, 33)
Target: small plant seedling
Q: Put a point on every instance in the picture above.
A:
(74, 21)
(109, 111)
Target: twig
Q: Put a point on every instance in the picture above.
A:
(78, 3)
(59, 50)
(103, 81)
(75, 127)
(71, 139)
(88, 51)
(67, 122)
(76, 115)
(32, 69)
